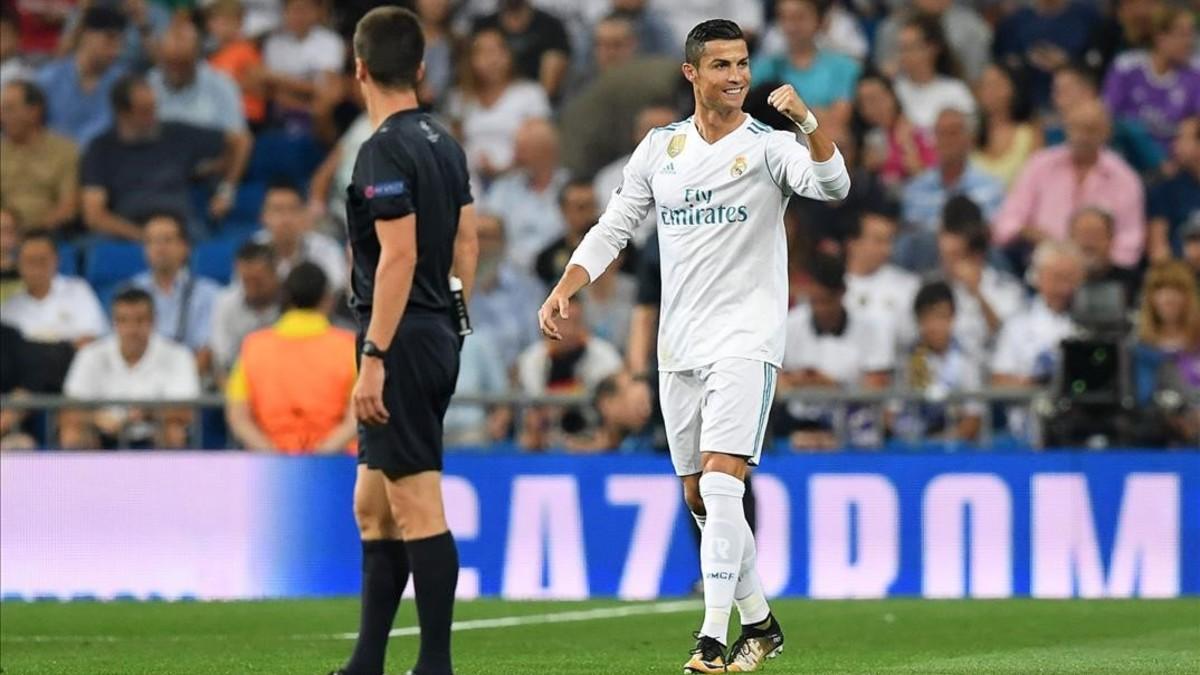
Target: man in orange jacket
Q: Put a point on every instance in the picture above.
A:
(289, 391)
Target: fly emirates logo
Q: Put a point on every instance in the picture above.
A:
(700, 210)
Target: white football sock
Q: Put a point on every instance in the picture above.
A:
(721, 546)
(748, 595)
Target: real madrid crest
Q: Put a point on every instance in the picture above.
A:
(739, 166)
(676, 145)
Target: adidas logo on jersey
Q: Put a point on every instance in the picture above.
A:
(668, 169)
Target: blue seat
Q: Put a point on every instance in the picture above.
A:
(247, 205)
(68, 259)
(110, 262)
(214, 258)
(278, 154)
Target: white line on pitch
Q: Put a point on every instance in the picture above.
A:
(599, 613)
(668, 607)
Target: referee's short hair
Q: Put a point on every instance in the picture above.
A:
(391, 44)
(305, 286)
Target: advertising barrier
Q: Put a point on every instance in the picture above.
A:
(226, 526)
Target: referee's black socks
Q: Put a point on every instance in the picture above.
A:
(434, 562)
(385, 574)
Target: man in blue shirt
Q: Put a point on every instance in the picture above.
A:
(825, 78)
(924, 196)
(78, 85)
(183, 303)
(142, 166)
(1174, 200)
(1043, 37)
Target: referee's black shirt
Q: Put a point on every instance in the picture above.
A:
(410, 164)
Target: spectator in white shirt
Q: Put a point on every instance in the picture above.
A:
(574, 364)
(935, 367)
(189, 90)
(830, 347)
(135, 363)
(251, 302)
(489, 106)
(928, 80)
(527, 197)
(683, 15)
(984, 297)
(1027, 351)
(51, 307)
(300, 55)
(288, 230)
(874, 286)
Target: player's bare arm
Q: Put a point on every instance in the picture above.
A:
(393, 281)
(466, 249)
(559, 301)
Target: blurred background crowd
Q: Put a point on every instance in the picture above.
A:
(1024, 216)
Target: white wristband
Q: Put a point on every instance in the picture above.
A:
(809, 124)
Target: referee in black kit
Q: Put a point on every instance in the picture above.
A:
(411, 227)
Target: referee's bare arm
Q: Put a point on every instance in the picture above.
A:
(466, 250)
(393, 282)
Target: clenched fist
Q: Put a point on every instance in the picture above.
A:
(787, 101)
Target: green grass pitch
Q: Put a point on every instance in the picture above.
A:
(889, 636)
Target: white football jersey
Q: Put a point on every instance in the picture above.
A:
(719, 210)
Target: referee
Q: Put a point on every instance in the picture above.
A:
(410, 226)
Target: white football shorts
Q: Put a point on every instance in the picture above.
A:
(721, 407)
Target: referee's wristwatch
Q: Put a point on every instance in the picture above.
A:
(371, 349)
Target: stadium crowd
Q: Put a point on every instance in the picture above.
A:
(173, 172)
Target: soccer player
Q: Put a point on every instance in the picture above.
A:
(719, 182)
(410, 224)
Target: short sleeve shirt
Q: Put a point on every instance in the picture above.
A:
(155, 175)
(410, 165)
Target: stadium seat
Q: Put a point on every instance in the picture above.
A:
(110, 262)
(214, 258)
(282, 155)
(248, 203)
(68, 259)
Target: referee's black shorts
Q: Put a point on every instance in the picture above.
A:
(422, 368)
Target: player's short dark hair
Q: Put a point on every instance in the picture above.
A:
(707, 31)
(252, 251)
(173, 217)
(32, 95)
(132, 295)
(122, 92)
(829, 272)
(391, 44)
(305, 286)
(931, 295)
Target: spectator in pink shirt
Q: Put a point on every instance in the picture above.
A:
(1059, 180)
